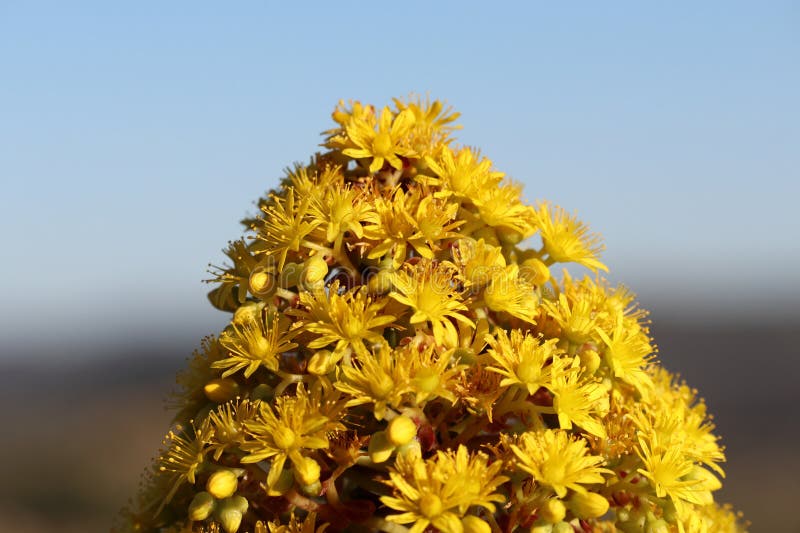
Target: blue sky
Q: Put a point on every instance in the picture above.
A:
(134, 136)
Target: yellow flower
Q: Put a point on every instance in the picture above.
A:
(405, 218)
(429, 289)
(185, 454)
(375, 378)
(668, 469)
(511, 293)
(285, 225)
(234, 281)
(577, 318)
(349, 320)
(228, 424)
(384, 145)
(432, 125)
(256, 342)
(478, 262)
(461, 174)
(438, 492)
(431, 374)
(522, 359)
(284, 430)
(340, 209)
(501, 208)
(627, 353)
(674, 417)
(558, 461)
(566, 239)
(575, 399)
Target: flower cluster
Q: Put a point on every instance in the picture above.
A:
(405, 354)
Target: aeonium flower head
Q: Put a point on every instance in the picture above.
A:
(398, 358)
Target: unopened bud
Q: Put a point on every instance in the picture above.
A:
(262, 392)
(553, 511)
(306, 471)
(590, 361)
(262, 284)
(314, 489)
(221, 390)
(380, 282)
(315, 270)
(536, 271)
(401, 430)
(322, 363)
(248, 313)
(222, 484)
(290, 275)
(588, 505)
(508, 235)
(228, 515)
(563, 527)
(655, 525)
(380, 449)
(541, 528)
(473, 524)
(201, 507)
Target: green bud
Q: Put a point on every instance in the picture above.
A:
(563, 527)
(262, 392)
(228, 515)
(655, 525)
(201, 507)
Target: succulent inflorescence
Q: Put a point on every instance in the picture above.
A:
(399, 358)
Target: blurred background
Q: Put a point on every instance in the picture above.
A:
(134, 136)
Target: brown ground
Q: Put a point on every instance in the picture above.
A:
(76, 435)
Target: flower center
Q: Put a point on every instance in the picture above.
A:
(382, 145)
(430, 505)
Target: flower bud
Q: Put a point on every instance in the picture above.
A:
(411, 447)
(290, 275)
(563, 527)
(655, 525)
(588, 505)
(322, 363)
(306, 470)
(553, 511)
(222, 484)
(239, 503)
(201, 507)
(248, 313)
(401, 430)
(508, 235)
(473, 524)
(590, 361)
(314, 489)
(536, 271)
(380, 282)
(221, 390)
(262, 392)
(229, 515)
(380, 449)
(262, 284)
(541, 528)
(315, 270)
